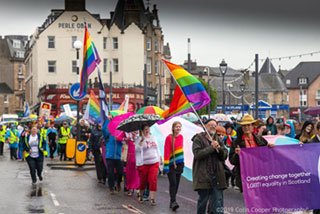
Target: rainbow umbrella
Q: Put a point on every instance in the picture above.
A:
(116, 112)
(150, 110)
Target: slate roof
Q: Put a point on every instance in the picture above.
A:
(269, 80)
(310, 70)
(129, 11)
(23, 39)
(5, 89)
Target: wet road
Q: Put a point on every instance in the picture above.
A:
(68, 192)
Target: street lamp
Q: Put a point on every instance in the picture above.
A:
(207, 70)
(77, 45)
(229, 85)
(300, 81)
(223, 69)
(242, 88)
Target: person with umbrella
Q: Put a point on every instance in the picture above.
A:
(113, 159)
(147, 157)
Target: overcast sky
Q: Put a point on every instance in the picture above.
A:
(231, 29)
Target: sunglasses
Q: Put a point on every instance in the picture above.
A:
(220, 135)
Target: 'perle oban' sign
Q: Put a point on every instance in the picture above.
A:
(72, 25)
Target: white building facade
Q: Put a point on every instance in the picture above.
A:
(51, 58)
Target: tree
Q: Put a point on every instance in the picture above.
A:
(213, 96)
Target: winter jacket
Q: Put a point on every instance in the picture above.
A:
(94, 142)
(42, 144)
(204, 153)
(272, 127)
(292, 133)
(113, 147)
(234, 158)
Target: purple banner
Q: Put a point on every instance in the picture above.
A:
(281, 179)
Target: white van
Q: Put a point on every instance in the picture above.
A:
(9, 117)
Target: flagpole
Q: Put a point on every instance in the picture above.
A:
(191, 106)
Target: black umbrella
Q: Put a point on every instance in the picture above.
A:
(135, 122)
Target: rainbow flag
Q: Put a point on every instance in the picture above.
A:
(91, 60)
(189, 91)
(92, 112)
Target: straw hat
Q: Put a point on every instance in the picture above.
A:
(247, 119)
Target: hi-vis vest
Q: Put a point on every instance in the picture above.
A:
(63, 140)
(13, 137)
(2, 135)
(44, 134)
(39, 145)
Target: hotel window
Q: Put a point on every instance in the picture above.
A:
(303, 98)
(51, 66)
(51, 42)
(20, 69)
(16, 43)
(156, 46)
(20, 85)
(115, 42)
(105, 43)
(156, 67)
(115, 65)
(74, 66)
(5, 99)
(73, 39)
(105, 65)
(149, 65)
(149, 44)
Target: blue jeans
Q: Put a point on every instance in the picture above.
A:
(215, 197)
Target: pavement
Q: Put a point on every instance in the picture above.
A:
(69, 192)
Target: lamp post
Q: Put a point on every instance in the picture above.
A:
(207, 69)
(223, 69)
(229, 85)
(300, 102)
(242, 88)
(77, 45)
(110, 87)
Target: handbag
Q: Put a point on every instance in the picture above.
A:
(124, 152)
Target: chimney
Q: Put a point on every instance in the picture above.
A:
(75, 5)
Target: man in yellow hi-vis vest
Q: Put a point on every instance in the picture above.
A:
(2, 138)
(12, 137)
(64, 135)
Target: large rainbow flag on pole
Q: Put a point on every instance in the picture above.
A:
(91, 60)
(92, 113)
(189, 95)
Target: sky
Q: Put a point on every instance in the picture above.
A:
(234, 30)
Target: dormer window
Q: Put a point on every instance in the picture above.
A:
(16, 43)
(302, 81)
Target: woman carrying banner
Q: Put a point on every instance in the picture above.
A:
(245, 139)
(174, 161)
(35, 149)
(307, 132)
(147, 148)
